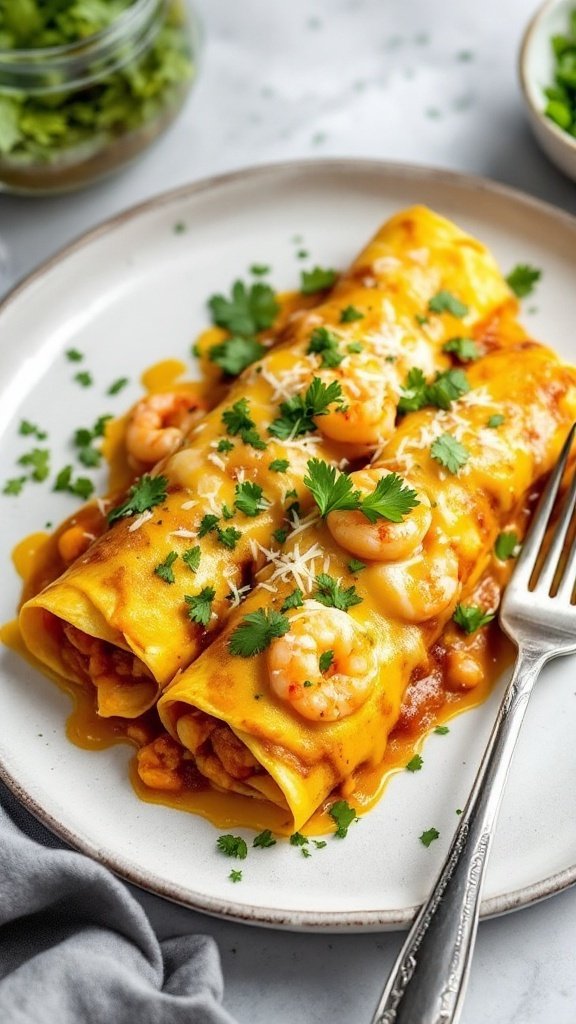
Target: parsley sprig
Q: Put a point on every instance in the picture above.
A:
(316, 280)
(343, 815)
(248, 498)
(200, 605)
(391, 499)
(523, 279)
(326, 344)
(249, 309)
(256, 632)
(448, 451)
(330, 593)
(298, 412)
(439, 393)
(147, 492)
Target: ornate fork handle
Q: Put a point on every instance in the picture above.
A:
(428, 980)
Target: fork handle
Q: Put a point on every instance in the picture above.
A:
(428, 980)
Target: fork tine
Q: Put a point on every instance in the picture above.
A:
(537, 530)
(554, 553)
(568, 581)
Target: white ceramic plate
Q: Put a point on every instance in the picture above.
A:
(134, 291)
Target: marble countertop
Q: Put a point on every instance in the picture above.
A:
(426, 81)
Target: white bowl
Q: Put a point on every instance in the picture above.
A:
(537, 71)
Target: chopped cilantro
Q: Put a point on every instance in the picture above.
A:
(179, 227)
(82, 487)
(523, 279)
(319, 843)
(39, 461)
(26, 428)
(84, 378)
(470, 618)
(63, 479)
(235, 876)
(350, 314)
(449, 453)
(207, 524)
(293, 600)
(89, 456)
(229, 537)
(232, 846)
(191, 558)
(317, 280)
(444, 302)
(305, 852)
(354, 347)
(147, 492)
(237, 418)
(249, 309)
(235, 354)
(117, 386)
(441, 730)
(74, 356)
(331, 594)
(279, 465)
(15, 485)
(326, 344)
(440, 393)
(465, 349)
(325, 661)
(495, 421)
(264, 839)
(297, 839)
(259, 269)
(99, 428)
(355, 565)
(429, 836)
(252, 437)
(280, 535)
(414, 764)
(164, 569)
(298, 411)
(506, 545)
(391, 499)
(224, 445)
(256, 632)
(343, 815)
(248, 498)
(200, 605)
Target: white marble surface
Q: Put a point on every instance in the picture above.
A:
(429, 81)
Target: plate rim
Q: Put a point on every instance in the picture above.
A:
(326, 921)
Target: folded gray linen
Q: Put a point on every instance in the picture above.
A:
(76, 947)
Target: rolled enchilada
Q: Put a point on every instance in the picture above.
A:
(306, 681)
(148, 596)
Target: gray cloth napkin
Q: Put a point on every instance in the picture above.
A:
(76, 947)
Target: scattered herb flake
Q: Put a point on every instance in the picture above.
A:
(414, 764)
(236, 353)
(445, 302)
(326, 344)
(224, 445)
(325, 661)
(232, 846)
(449, 453)
(248, 498)
(39, 461)
(355, 565)
(331, 594)
(523, 279)
(343, 815)
(74, 356)
(350, 314)
(84, 378)
(279, 465)
(506, 545)
(298, 412)
(235, 876)
(316, 280)
(429, 836)
(191, 558)
(228, 537)
(164, 569)
(293, 600)
(117, 386)
(249, 309)
(441, 730)
(145, 494)
(465, 349)
(297, 839)
(200, 605)
(264, 839)
(15, 485)
(256, 632)
(208, 523)
(470, 618)
(26, 429)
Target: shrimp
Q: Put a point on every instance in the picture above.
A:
(369, 410)
(157, 425)
(337, 688)
(381, 541)
(420, 587)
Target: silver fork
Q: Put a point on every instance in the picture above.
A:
(428, 981)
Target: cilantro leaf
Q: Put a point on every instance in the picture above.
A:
(414, 764)
(237, 418)
(350, 314)
(63, 479)
(26, 428)
(325, 344)
(355, 347)
(331, 594)
(523, 279)
(470, 618)
(39, 461)
(414, 391)
(343, 815)
(235, 876)
(191, 558)
(15, 485)
(248, 498)
(256, 632)
(247, 311)
(235, 354)
(264, 839)
(441, 730)
(495, 421)
(391, 499)
(89, 456)
(147, 492)
(164, 569)
(200, 605)
(444, 302)
(465, 349)
(259, 269)
(429, 836)
(506, 545)
(84, 378)
(229, 537)
(252, 437)
(74, 356)
(82, 488)
(279, 465)
(117, 386)
(325, 661)
(440, 393)
(297, 839)
(280, 535)
(207, 524)
(298, 412)
(293, 600)
(224, 445)
(449, 453)
(355, 565)
(232, 846)
(330, 489)
(317, 280)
